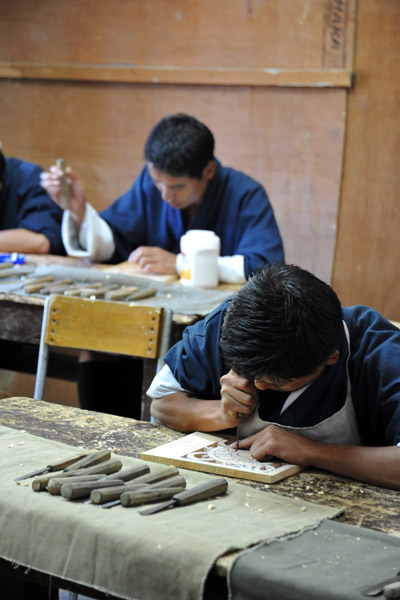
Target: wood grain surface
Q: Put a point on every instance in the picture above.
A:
(365, 505)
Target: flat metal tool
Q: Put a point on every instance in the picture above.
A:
(240, 416)
(55, 466)
(377, 589)
(203, 491)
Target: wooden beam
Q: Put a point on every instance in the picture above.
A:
(267, 77)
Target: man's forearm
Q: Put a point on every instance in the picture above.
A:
(377, 466)
(24, 240)
(185, 413)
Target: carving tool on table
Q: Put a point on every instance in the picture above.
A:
(203, 491)
(128, 476)
(55, 466)
(82, 489)
(378, 588)
(107, 496)
(64, 192)
(149, 478)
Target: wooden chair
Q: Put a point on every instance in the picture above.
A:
(100, 325)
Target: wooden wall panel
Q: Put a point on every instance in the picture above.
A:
(366, 267)
(237, 33)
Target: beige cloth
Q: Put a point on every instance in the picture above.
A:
(118, 551)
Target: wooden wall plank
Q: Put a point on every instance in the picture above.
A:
(286, 34)
(179, 75)
(366, 267)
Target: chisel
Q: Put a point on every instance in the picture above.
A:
(54, 484)
(73, 491)
(93, 459)
(200, 492)
(119, 293)
(55, 466)
(132, 473)
(149, 478)
(106, 497)
(145, 495)
(142, 294)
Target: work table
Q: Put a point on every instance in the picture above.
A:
(365, 505)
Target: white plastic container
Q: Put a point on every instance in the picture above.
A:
(199, 265)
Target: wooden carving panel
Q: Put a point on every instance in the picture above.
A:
(213, 454)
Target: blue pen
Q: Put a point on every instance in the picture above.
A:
(12, 257)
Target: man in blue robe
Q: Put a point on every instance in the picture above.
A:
(30, 222)
(181, 187)
(309, 381)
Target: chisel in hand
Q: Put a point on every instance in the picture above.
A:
(200, 492)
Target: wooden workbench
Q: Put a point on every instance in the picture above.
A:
(365, 505)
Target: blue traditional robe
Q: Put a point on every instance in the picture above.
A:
(234, 206)
(25, 204)
(363, 385)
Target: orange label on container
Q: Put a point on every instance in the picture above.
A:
(185, 274)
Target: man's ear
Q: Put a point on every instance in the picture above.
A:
(333, 358)
(209, 170)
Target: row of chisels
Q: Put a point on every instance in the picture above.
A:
(97, 478)
(68, 286)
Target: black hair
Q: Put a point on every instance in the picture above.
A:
(284, 323)
(180, 145)
(2, 165)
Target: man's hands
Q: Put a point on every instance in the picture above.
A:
(51, 181)
(276, 441)
(152, 259)
(238, 395)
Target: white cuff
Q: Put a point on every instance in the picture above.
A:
(164, 383)
(231, 269)
(94, 241)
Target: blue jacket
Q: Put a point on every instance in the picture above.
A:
(234, 206)
(373, 365)
(25, 204)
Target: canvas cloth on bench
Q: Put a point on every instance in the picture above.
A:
(329, 562)
(118, 551)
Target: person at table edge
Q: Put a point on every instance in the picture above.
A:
(30, 222)
(312, 383)
(182, 186)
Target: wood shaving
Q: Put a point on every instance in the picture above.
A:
(303, 508)
(211, 506)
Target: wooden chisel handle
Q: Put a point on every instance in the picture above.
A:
(120, 292)
(142, 294)
(101, 495)
(177, 481)
(66, 462)
(202, 492)
(131, 474)
(106, 468)
(94, 458)
(72, 491)
(55, 483)
(159, 475)
(142, 496)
